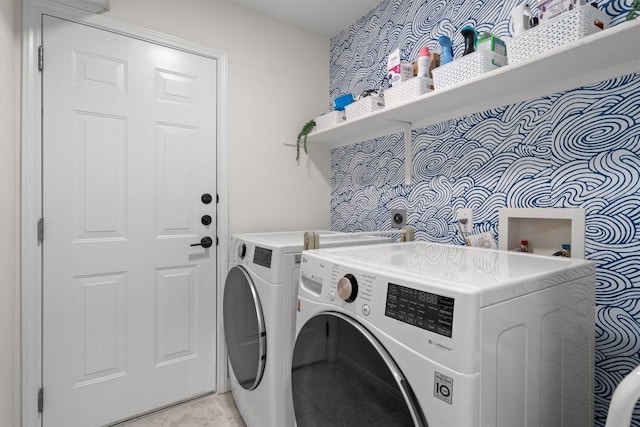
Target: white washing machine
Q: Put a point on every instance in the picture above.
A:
(435, 335)
(259, 319)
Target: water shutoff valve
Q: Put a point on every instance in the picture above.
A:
(565, 250)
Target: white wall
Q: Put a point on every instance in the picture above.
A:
(278, 79)
(9, 223)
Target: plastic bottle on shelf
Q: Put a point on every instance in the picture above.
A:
(447, 50)
(520, 19)
(424, 62)
(470, 39)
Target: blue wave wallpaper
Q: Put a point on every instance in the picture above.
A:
(575, 149)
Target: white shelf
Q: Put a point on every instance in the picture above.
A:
(610, 53)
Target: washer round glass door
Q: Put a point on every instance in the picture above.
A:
(357, 384)
(244, 328)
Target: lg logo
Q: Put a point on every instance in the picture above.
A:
(443, 387)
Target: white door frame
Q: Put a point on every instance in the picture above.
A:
(31, 185)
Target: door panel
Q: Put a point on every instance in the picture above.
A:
(100, 72)
(98, 327)
(175, 161)
(176, 305)
(101, 178)
(128, 148)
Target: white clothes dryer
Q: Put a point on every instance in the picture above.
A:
(434, 335)
(259, 319)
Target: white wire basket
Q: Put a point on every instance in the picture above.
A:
(329, 120)
(364, 106)
(466, 67)
(407, 90)
(565, 28)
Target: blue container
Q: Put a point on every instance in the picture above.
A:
(342, 101)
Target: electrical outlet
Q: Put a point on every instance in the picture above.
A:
(398, 218)
(465, 218)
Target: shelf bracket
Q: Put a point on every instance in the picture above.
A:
(408, 153)
(289, 142)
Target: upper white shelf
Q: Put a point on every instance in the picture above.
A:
(610, 53)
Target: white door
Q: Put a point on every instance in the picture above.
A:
(129, 150)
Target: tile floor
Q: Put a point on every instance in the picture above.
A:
(318, 402)
(217, 410)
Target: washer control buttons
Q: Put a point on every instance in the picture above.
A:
(332, 296)
(366, 309)
(348, 288)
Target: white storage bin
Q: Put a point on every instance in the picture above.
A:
(329, 120)
(364, 106)
(407, 90)
(562, 29)
(466, 67)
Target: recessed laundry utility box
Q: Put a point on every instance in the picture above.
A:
(546, 229)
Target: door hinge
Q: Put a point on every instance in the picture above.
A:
(40, 58)
(40, 400)
(40, 230)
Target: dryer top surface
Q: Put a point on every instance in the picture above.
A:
(293, 241)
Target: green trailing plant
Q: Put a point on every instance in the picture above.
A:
(635, 8)
(302, 137)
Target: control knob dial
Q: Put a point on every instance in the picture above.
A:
(242, 251)
(348, 288)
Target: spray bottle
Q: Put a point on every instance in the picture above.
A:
(520, 19)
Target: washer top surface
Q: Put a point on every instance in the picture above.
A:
(293, 241)
(459, 268)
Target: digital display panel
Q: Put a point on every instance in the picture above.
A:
(425, 310)
(262, 257)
